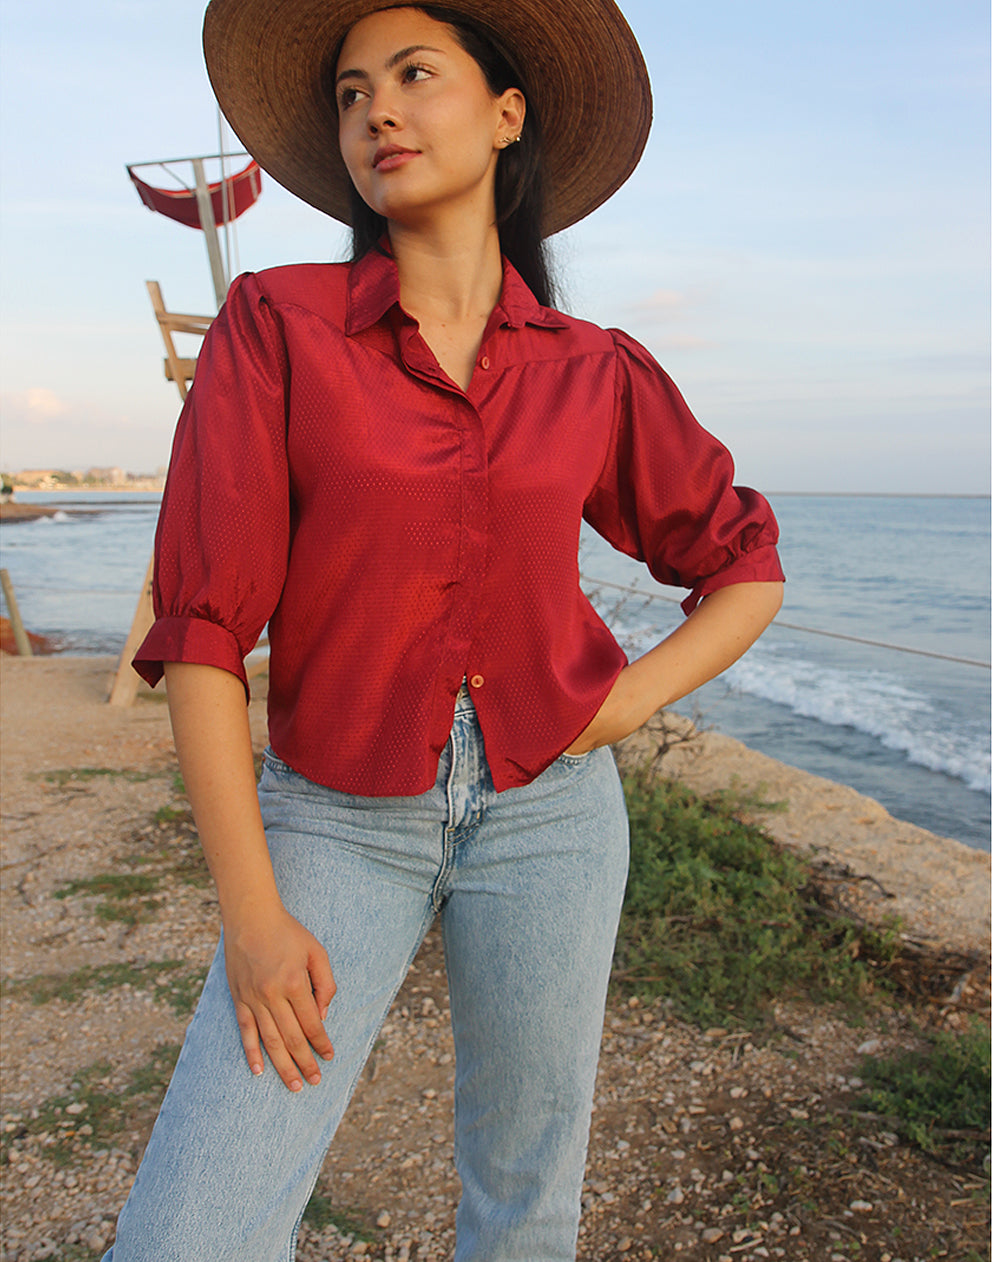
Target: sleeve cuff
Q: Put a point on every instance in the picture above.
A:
(760, 566)
(188, 640)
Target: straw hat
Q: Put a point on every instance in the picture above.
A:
(268, 64)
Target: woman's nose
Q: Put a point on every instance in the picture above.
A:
(382, 113)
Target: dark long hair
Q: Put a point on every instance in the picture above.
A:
(520, 188)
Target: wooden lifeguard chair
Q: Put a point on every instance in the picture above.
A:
(202, 205)
(180, 369)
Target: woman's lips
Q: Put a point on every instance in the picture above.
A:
(393, 157)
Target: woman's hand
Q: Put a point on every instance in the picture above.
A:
(626, 708)
(717, 632)
(281, 983)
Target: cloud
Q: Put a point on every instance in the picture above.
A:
(662, 319)
(682, 342)
(662, 304)
(42, 428)
(36, 405)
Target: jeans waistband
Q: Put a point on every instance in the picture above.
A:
(463, 702)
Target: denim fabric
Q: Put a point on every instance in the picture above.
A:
(528, 884)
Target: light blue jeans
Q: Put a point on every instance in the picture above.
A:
(528, 884)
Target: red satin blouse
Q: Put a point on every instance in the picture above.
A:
(399, 535)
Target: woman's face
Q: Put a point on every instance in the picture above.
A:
(420, 131)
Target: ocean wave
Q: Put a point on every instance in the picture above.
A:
(58, 518)
(872, 702)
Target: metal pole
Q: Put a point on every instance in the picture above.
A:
(226, 192)
(207, 157)
(20, 635)
(209, 226)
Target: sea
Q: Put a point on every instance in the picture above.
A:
(876, 673)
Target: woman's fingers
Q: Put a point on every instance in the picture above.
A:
(266, 1027)
(303, 1030)
(321, 979)
(289, 1038)
(249, 1037)
(289, 1052)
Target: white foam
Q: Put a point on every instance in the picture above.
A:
(872, 702)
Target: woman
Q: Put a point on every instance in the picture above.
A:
(388, 462)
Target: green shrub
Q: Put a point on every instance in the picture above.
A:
(718, 918)
(940, 1097)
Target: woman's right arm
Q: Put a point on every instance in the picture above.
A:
(279, 974)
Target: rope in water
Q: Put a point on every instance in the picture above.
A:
(792, 626)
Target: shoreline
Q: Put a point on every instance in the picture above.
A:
(34, 512)
(26, 512)
(54, 715)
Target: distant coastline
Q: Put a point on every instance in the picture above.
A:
(12, 509)
(142, 484)
(95, 478)
(882, 495)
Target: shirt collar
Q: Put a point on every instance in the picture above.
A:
(374, 288)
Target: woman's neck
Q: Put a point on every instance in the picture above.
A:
(450, 285)
(452, 278)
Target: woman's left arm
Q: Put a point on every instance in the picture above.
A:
(717, 632)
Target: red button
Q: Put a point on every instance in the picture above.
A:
(484, 362)
(477, 681)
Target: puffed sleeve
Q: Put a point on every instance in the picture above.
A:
(222, 541)
(666, 494)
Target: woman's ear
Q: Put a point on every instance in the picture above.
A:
(512, 110)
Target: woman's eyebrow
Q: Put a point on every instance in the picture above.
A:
(395, 60)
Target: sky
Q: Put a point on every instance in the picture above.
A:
(804, 245)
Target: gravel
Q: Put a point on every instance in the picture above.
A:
(717, 1144)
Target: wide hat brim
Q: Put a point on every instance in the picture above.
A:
(268, 62)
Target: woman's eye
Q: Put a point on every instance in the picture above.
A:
(414, 74)
(347, 97)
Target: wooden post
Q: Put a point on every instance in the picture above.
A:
(125, 686)
(20, 635)
(209, 226)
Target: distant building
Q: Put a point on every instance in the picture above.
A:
(107, 476)
(35, 479)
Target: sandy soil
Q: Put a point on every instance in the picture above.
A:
(706, 1144)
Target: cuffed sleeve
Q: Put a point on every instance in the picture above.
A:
(222, 541)
(666, 494)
